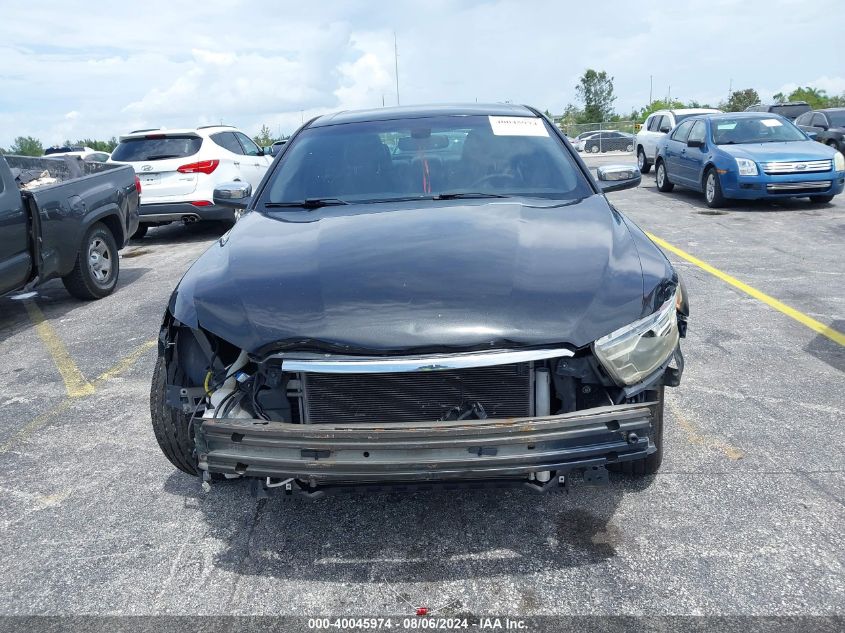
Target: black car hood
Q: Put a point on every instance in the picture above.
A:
(420, 276)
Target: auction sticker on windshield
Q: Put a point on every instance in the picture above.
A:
(771, 122)
(517, 126)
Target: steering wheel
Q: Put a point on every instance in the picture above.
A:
(503, 178)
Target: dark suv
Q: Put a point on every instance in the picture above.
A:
(788, 109)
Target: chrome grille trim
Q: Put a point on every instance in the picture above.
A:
(332, 364)
(792, 167)
(791, 186)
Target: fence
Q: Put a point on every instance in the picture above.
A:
(610, 136)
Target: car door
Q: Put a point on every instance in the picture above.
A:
(804, 122)
(820, 125)
(255, 163)
(692, 159)
(675, 145)
(15, 259)
(651, 136)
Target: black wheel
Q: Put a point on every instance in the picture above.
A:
(820, 199)
(661, 178)
(172, 428)
(642, 161)
(713, 190)
(140, 232)
(97, 265)
(651, 464)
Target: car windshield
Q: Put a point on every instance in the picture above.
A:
(419, 158)
(789, 111)
(837, 119)
(745, 130)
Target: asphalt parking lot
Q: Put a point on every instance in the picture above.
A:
(744, 519)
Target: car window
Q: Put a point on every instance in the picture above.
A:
(665, 124)
(250, 148)
(818, 120)
(804, 119)
(837, 118)
(99, 157)
(698, 131)
(227, 140)
(682, 131)
(156, 147)
(757, 129)
(420, 158)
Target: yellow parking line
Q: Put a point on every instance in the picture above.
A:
(114, 371)
(821, 328)
(75, 383)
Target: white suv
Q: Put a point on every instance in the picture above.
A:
(179, 169)
(655, 127)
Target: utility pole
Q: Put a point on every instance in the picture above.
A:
(650, 88)
(730, 88)
(396, 65)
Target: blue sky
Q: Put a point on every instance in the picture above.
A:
(79, 69)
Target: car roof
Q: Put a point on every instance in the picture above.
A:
(197, 131)
(419, 112)
(830, 110)
(738, 115)
(687, 111)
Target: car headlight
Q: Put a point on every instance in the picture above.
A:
(839, 162)
(633, 352)
(746, 167)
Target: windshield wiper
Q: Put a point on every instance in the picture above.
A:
(308, 203)
(457, 195)
(160, 157)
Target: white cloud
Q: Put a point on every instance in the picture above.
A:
(278, 63)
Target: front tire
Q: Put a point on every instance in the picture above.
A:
(172, 428)
(642, 162)
(95, 273)
(140, 232)
(594, 149)
(651, 464)
(713, 190)
(661, 178)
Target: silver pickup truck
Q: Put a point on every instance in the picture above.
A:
(62, 217)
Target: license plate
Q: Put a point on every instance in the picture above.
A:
(149, 179)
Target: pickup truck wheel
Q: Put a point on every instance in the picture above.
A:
(140, 232)
(97, 265)
(661, 178)
(172, 428)
(642, 161)
(651, 464)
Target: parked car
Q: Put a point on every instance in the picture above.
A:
(655, 128)
(64, 219)
(575, 140)
(372, 318)
(789, 109)
(607, 141)
(748, 155)
(85, 153)
(180, 168)
(826, 126)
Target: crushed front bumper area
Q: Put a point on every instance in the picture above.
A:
(318, 455)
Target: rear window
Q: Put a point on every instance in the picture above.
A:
(789, 111)
(156, 147)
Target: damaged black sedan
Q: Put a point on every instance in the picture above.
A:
(436, 296)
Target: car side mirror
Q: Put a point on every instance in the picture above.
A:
(695, 143)
(665, 129)
(822, 126)
(617, 177)
(811, 134)
(234, 195)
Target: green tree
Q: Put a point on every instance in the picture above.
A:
(739, 100)
(660, 104)
(815, 97)
(27, 146)
(595, 91)
(264, 137)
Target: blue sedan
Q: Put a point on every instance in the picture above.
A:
(748, 155)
